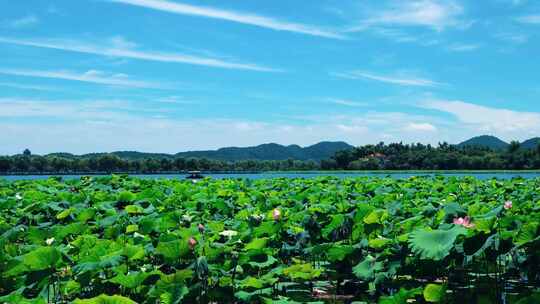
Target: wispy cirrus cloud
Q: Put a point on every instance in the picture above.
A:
(234, 16)
(401, 79)
(347, 102)
(516, 38)
(27, 86)
(125, 49)
(529, 19)
(463, 47)
(26, 21)
(63, 109)
(91, 76)
(434, 14)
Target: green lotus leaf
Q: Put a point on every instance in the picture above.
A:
(126, 197)
(401, 297)
(134, 209)
(175, 296)
(367, 269)
(302, 271)
(246, 296)
(99, 264)
(62, 215)
(256, 244)
(42, 258)
(133, 252)
(251, 282)
(132, 280)
(105, 299)
(132, 228)
(270, 260)
(379, 243)
(434, 244)
(336, 222)
(434, 293)
(339, 252)
(527, 233)
(19, 299)
(173, 250)
(376, 217)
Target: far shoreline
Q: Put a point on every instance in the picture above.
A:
(378, 172)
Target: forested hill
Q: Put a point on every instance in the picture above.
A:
(322, 150)
(486, 141)
(272, 151)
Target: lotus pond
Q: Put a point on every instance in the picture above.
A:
(120, 239)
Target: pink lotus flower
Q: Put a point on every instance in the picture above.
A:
(276, 214)
(464, 221)
(201, 228)
(192, 242)
(508, 205)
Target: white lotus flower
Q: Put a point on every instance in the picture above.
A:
(229, 233)
(49, 241)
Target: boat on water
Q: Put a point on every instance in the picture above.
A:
(194, 175)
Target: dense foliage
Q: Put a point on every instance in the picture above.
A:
(125, 240)
(109, 163)
(395, 156)
(399, 156)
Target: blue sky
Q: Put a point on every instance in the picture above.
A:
(168, 76)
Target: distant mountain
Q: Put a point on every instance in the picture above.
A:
(487, 141)
(322, 150)
(530, 143)
(134, 155)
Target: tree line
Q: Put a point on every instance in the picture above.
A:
(395, 156)
(109, 163)
(399, 156)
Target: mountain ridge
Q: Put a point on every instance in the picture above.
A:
(487, 141)
(267, 151)
(274, 151)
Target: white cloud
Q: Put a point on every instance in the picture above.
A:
(401, 79)
(351, 128)
(529, 19)
(108, 125)
(91, 76)
(433, 14)
(463, 47)
(422, 127)
(27, 87)
(347, 102)
(118, 49)
(67, 109)
(234, 16)
(23, 22)
(516, 38)
(482, 119)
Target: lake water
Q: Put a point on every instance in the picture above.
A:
(480, 175)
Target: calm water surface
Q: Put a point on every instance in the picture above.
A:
(480, 175)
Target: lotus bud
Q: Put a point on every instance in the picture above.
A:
(192, 243)
(464, 221)
(276, 214)
(18, 196)
(201, 228)
(49, 241)
(508, 205)
(458, 221)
